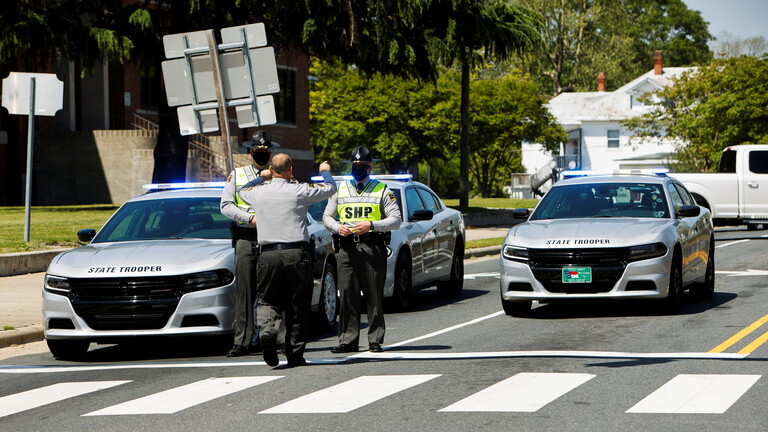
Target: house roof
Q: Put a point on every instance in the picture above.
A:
(576, 108)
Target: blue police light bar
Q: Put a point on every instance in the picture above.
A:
(660, 172)
(401, 177)
(192, 185)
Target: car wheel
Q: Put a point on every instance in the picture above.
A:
(706, 289)
(68, 349)
(671, 304)
(402, 294)
(329, 300)
(516, 308)
(453, 287)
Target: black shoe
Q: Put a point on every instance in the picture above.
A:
(344, 348)
(237, 351)
(375, 347)
(301, 361)
(268, 347)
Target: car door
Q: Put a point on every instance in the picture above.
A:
(700, 232)
(688, 234)
(754, 186)
(444, 230)
(420, 236)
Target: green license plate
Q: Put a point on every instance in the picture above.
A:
(577, 274)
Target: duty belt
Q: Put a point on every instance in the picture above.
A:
(365, 238)
(284, 246)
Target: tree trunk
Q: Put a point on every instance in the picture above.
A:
(464, 134)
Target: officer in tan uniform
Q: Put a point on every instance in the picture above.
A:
(361, 213)
(244, 238)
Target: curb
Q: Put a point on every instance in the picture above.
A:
(481, 252)
(21, 335)
(27, 262)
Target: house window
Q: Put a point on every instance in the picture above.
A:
(613, 138)
(285, 101)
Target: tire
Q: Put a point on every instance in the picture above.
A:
(671, 304)
(68, 349)
(328, 307)
(454, 286)
(516, 308)
(402, 295)
(706, 290)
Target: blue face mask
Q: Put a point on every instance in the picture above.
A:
(359, 172)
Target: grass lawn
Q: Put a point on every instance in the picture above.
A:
(483, 204)
(49, 227)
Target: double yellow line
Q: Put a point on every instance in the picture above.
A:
(741, 335)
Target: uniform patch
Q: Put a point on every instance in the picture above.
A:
(229, 178)
(391, 196)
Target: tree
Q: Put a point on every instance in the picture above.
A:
(710, 108)
(505, 113)
(728, 45)
(617, 37)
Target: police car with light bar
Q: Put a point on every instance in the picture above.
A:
(622, 235)
(162, 265)
(427, 249)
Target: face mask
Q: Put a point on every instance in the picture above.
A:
(359, 172)
(261, 158)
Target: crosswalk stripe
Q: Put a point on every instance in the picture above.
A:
(524, 392)
(696, 394)
(350, 395)
(179, 398)
(49, 394)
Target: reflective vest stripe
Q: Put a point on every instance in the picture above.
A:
(242, 176)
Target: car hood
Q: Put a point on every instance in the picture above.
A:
(144, 258)
(598, 232)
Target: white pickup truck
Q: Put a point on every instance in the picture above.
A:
(737, 193)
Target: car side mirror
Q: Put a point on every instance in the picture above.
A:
(689, 211)
(520, 213)
(86, 235)
(422, 215)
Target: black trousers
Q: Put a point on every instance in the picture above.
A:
(284, 290)
(245, 292)
(362, 267)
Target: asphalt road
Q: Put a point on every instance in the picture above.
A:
(449, 364)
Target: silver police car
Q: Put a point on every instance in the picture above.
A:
(620, 236)
(162, 265)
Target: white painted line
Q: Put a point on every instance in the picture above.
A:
(407, 355)
(474, 276)
(179, 398)
(747, 272)
(731, 243)
(350, 395)
(696, 394)
(49, 394)
(524, 392)
(439, 332)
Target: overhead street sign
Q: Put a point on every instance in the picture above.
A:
(49, 93)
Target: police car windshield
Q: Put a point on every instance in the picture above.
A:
(637, 200)
(166, 219)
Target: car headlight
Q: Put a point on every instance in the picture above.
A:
(57, 285)
(648, 251)
(206, 280)
(515, 253)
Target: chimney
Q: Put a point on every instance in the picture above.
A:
(601, 82)
(658, 62)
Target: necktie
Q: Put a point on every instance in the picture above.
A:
(360, 188)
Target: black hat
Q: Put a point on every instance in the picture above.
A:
(361, 154)
(261, 140)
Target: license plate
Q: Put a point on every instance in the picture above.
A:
(577, 274)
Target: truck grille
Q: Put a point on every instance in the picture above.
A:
(607, 266)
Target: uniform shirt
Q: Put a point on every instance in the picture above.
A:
(281, 216)
(227, 205)
(390, 211)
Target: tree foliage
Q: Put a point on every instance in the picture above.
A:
(617, 37)
(708, 109)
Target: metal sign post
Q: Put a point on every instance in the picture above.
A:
(30, 94)
(203, 79)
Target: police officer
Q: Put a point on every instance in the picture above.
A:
(244, 237)
(366, 209)
(284, 277)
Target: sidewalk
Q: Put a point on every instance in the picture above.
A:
(21, 298)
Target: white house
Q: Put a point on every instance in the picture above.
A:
(596, 139)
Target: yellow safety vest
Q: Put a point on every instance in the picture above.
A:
(357, 208)
(241, 178)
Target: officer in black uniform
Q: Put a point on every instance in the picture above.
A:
(366, 211)
(244, 238)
